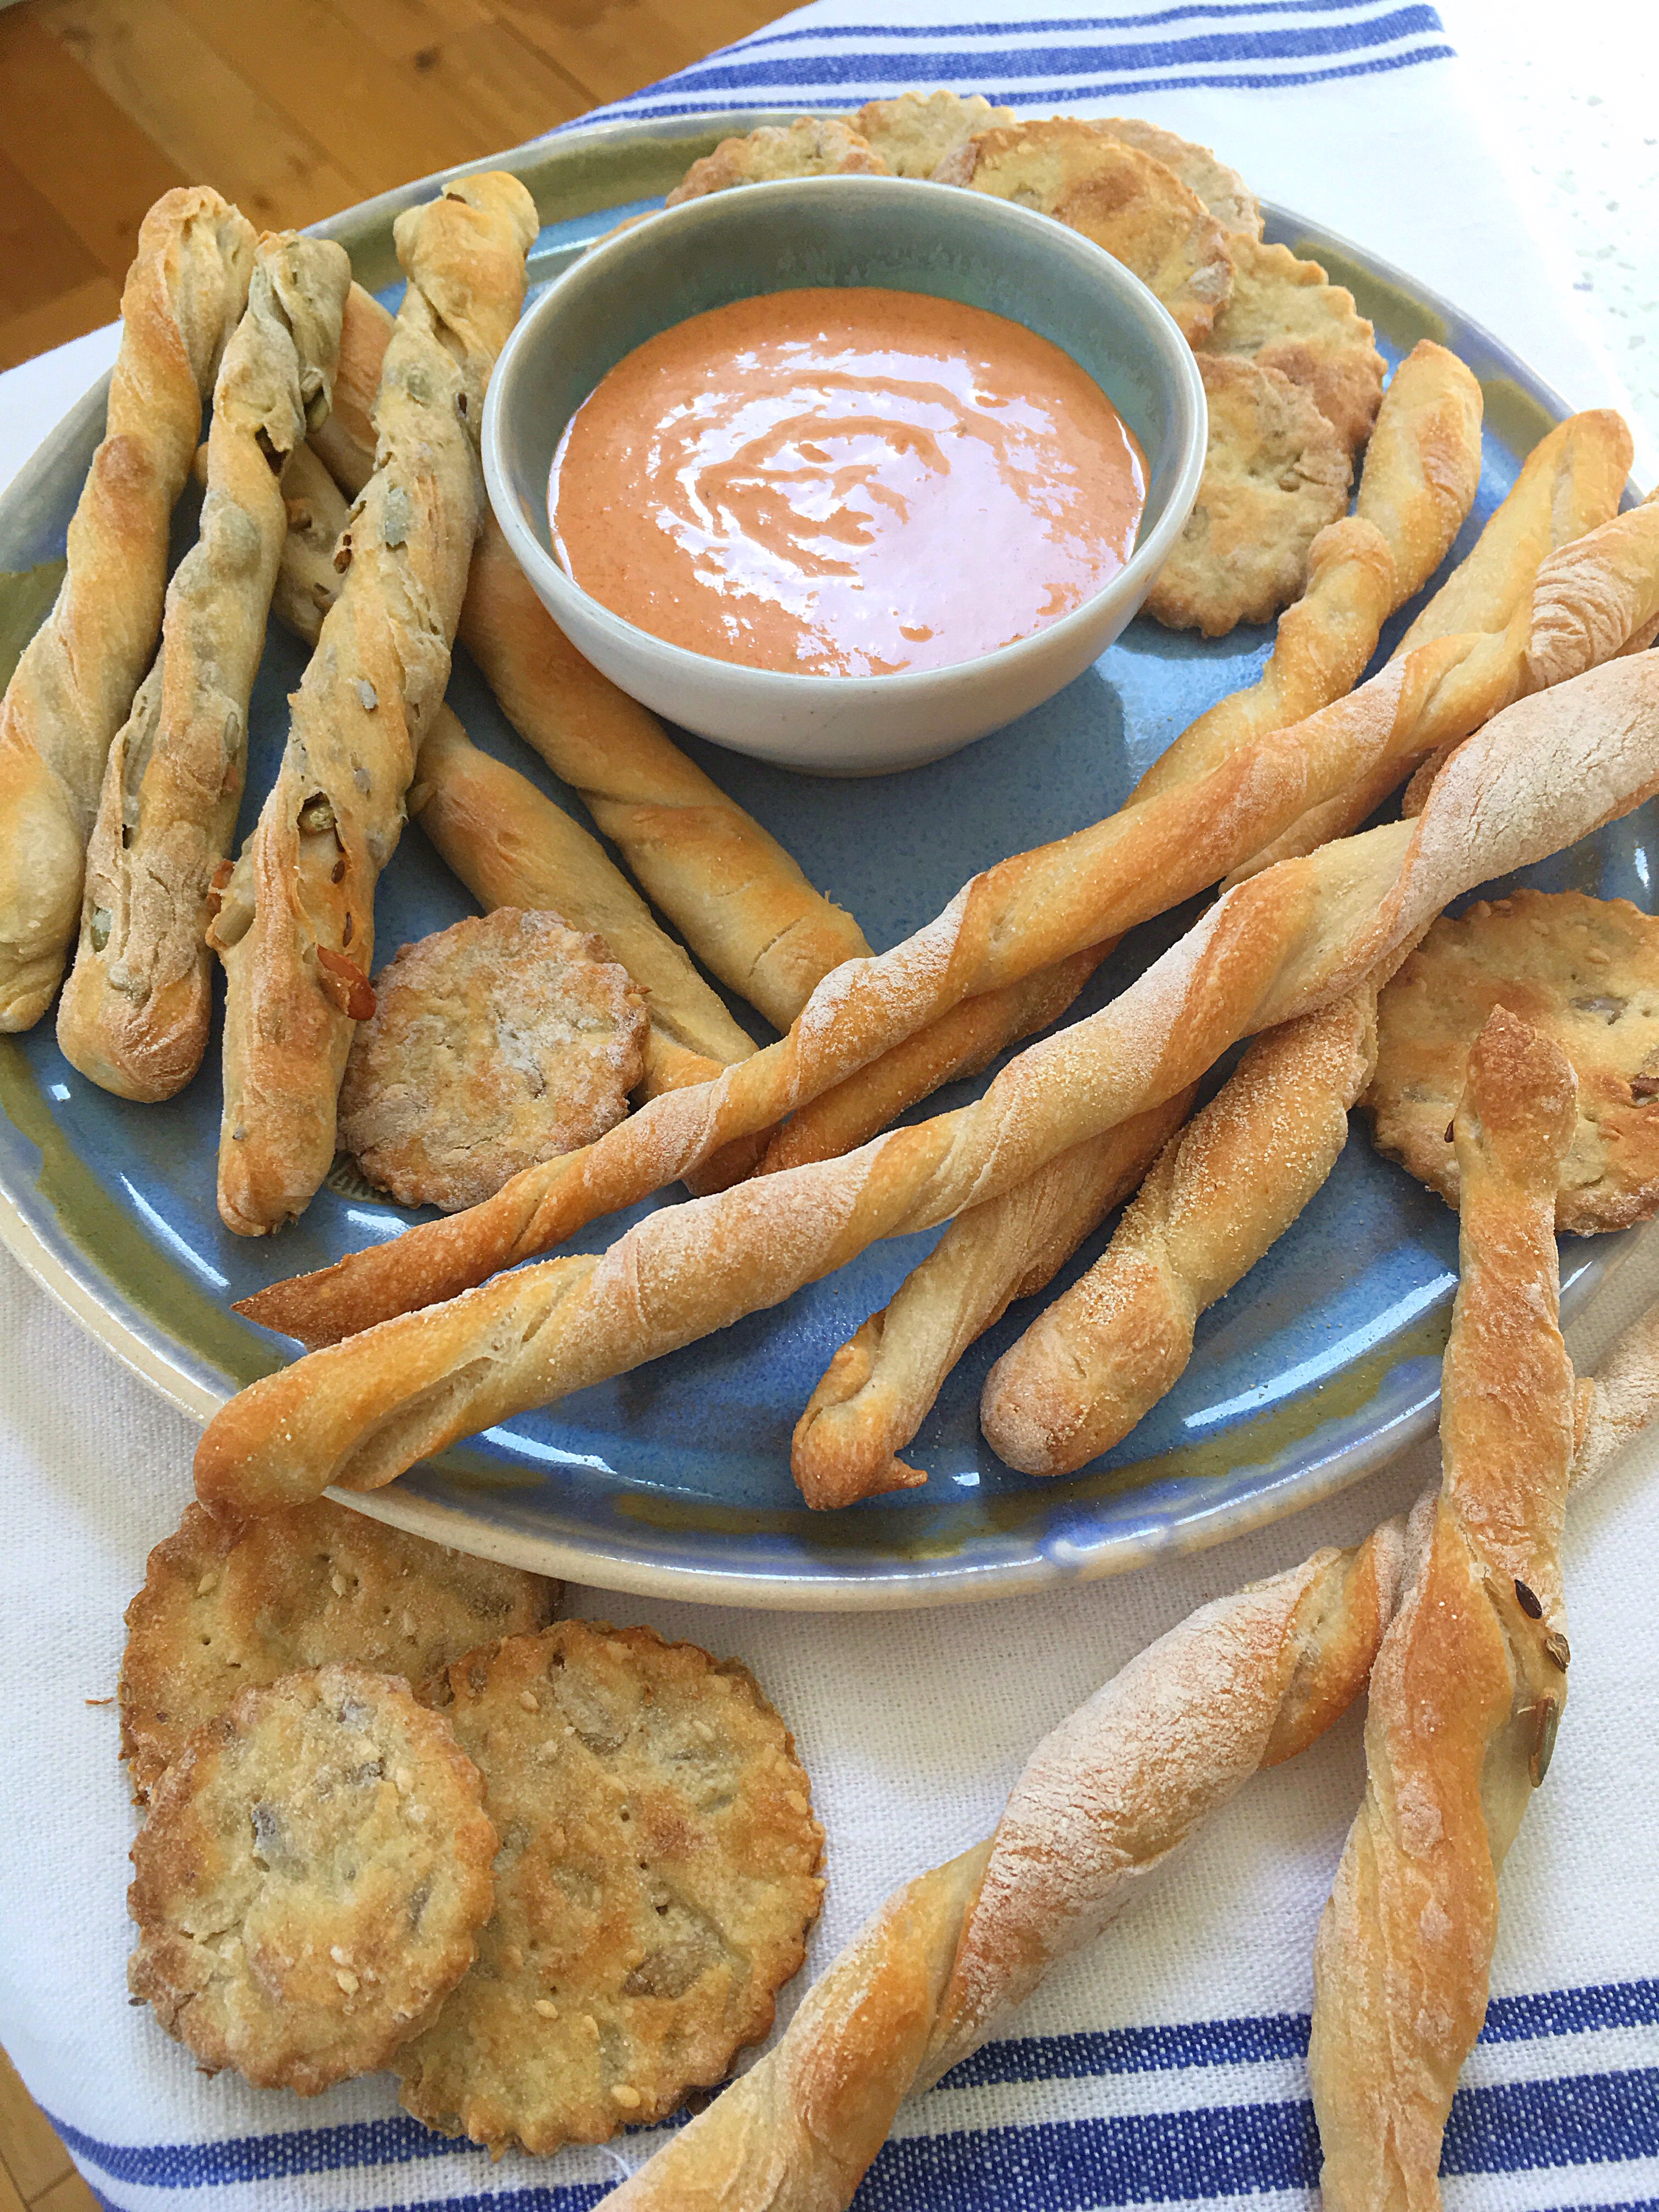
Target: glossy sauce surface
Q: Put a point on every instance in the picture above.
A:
(846, 482)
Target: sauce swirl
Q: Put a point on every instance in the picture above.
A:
(847, 481)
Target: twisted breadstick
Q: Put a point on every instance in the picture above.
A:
(1541, 776)
(1421, 472)
(961, 1043)
(1571, 482)
(308, 582)
(736, 896)
(1598, 598)
(512, 847)
(345, 442)
(1471, 1678)
(1104, 1803)
(135, 1012)
(297, 925)
(74, 686)
(880, 1386)
(1223, 1193)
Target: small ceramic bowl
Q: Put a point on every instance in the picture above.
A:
(912, 237)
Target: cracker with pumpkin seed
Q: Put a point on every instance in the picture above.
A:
(657, 1878)
(311, 1880)
(1284, 314)
(1585, 971)
(913, 134)
(1275, 472)
(226, 1608)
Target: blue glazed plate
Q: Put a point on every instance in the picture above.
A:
(675, 1480)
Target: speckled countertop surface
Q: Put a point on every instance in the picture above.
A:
(1568, 99)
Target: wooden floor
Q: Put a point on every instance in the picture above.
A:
(293, 108)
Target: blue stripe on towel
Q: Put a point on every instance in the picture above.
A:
(732, 73)
(823, 33)
(1504, 2128)
(644, 104)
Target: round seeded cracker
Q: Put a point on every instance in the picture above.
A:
(1285, 314)
(1275, 472)
(310, 1880)
(657, 1879)
(226, 1608)
(914, 134)
(811, 146)
(1583, 970)
(1222, 190)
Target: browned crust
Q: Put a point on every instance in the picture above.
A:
(1134, 206)
(1284, 314)
(810, 146)
(916, 132)
(656, 1881)
(310, 1881)
(1222, 190)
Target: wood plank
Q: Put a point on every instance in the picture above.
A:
(380, 119)
(10, 2199)
(41, 256)
(85, 308)
(64, 132)
(71, 2194)
(34, 2157)
(617, 49)
(405, 28)
(508, 90)
(207, 119)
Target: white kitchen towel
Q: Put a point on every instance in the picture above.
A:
(1165, 2065)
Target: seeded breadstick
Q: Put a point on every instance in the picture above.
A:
(74, 686)
(134, 1015)
(512, 847)
(734, 895)
(1539, 777)
(308, 582)
(297, 927)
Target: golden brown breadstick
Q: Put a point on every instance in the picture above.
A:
(134, 1014)
(1598, 598)
(345, 442)
(74, 686)
(1104, 1803)
(1422, 469)
(1471, 1676)
(297, 924)
(961, 1043)
(512, 847)
(1540, 776)
(1571, 482)
(735, 896)
(1226, 1189)
(880, 1386)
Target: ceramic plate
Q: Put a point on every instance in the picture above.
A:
(676, 1479)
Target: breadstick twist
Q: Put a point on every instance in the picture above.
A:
(308, 582)
(1223, 1193)
(1104, 1803)
(735, 896)
(135, 1012)
(1540, 776)
(1471, 1679)
(74, 686)
(297, 925)
(880, 1386)
(512, 847)
(1571, 482)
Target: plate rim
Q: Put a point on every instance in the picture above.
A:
(72, 1280)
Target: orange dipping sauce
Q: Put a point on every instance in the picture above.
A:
(846, 482)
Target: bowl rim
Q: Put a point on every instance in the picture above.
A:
(708, 211)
